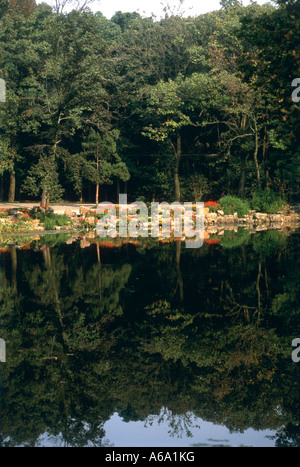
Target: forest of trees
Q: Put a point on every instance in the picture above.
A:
(178, 108)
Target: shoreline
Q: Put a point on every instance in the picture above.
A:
(82, 218)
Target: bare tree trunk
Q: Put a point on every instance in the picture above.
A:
(1, 188)
(265, 143)
(97, 185)
(47, 202)
(97, 194)
(14, 266)
(98, 253)
(243, 175)
(255, 156)
(47, 257)
(12, 181)
(118, 189)
(176, 168)
(44, 199)
(176, 179)
(56, 299)
(179, 283)
(12, 188)
(259, 275)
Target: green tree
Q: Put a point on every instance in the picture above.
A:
(59, 6)
(72, 92)
(191, 103)
(271, 36)
(102, 163)
(19, 69)
(229, 3)
(43, 180)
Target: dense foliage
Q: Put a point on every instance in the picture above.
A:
(186, 108)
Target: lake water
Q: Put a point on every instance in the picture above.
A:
(151, 344)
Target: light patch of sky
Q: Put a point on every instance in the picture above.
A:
(146, 8)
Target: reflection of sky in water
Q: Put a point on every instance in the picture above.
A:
(141, 434)
(171, 432)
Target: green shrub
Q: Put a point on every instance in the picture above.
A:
(269, 242)
(62, 220)
(49, 223)
(38, 213)
(50, 220)
(53, 240)
(231, 204)
(267, 201)
(233, 239)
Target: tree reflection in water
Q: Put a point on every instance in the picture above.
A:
(203, 333)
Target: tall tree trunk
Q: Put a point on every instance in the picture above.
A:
(47, 202)
(97, 194)
(265, 143)
(57, 303)
(44, 199)
(12, 187)
(243, 175)
(14, 266)
(1, 188)
(47, 257)
(118, 189)
(176, 178)
(179, 284)
(255, 156)
(97, 185)
(12, 181)
(259, 275)
(176, 167)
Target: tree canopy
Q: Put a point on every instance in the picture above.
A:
(182, 99)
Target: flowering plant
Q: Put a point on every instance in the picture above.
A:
(212, 241)
(15, 226)
(212, 205)
(3, 212)
(25, 216)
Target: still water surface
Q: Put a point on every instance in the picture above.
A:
(151, 344)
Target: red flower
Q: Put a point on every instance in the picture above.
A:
(211, 203)
(212, 241)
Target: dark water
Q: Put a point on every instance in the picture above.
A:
(153, 345)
